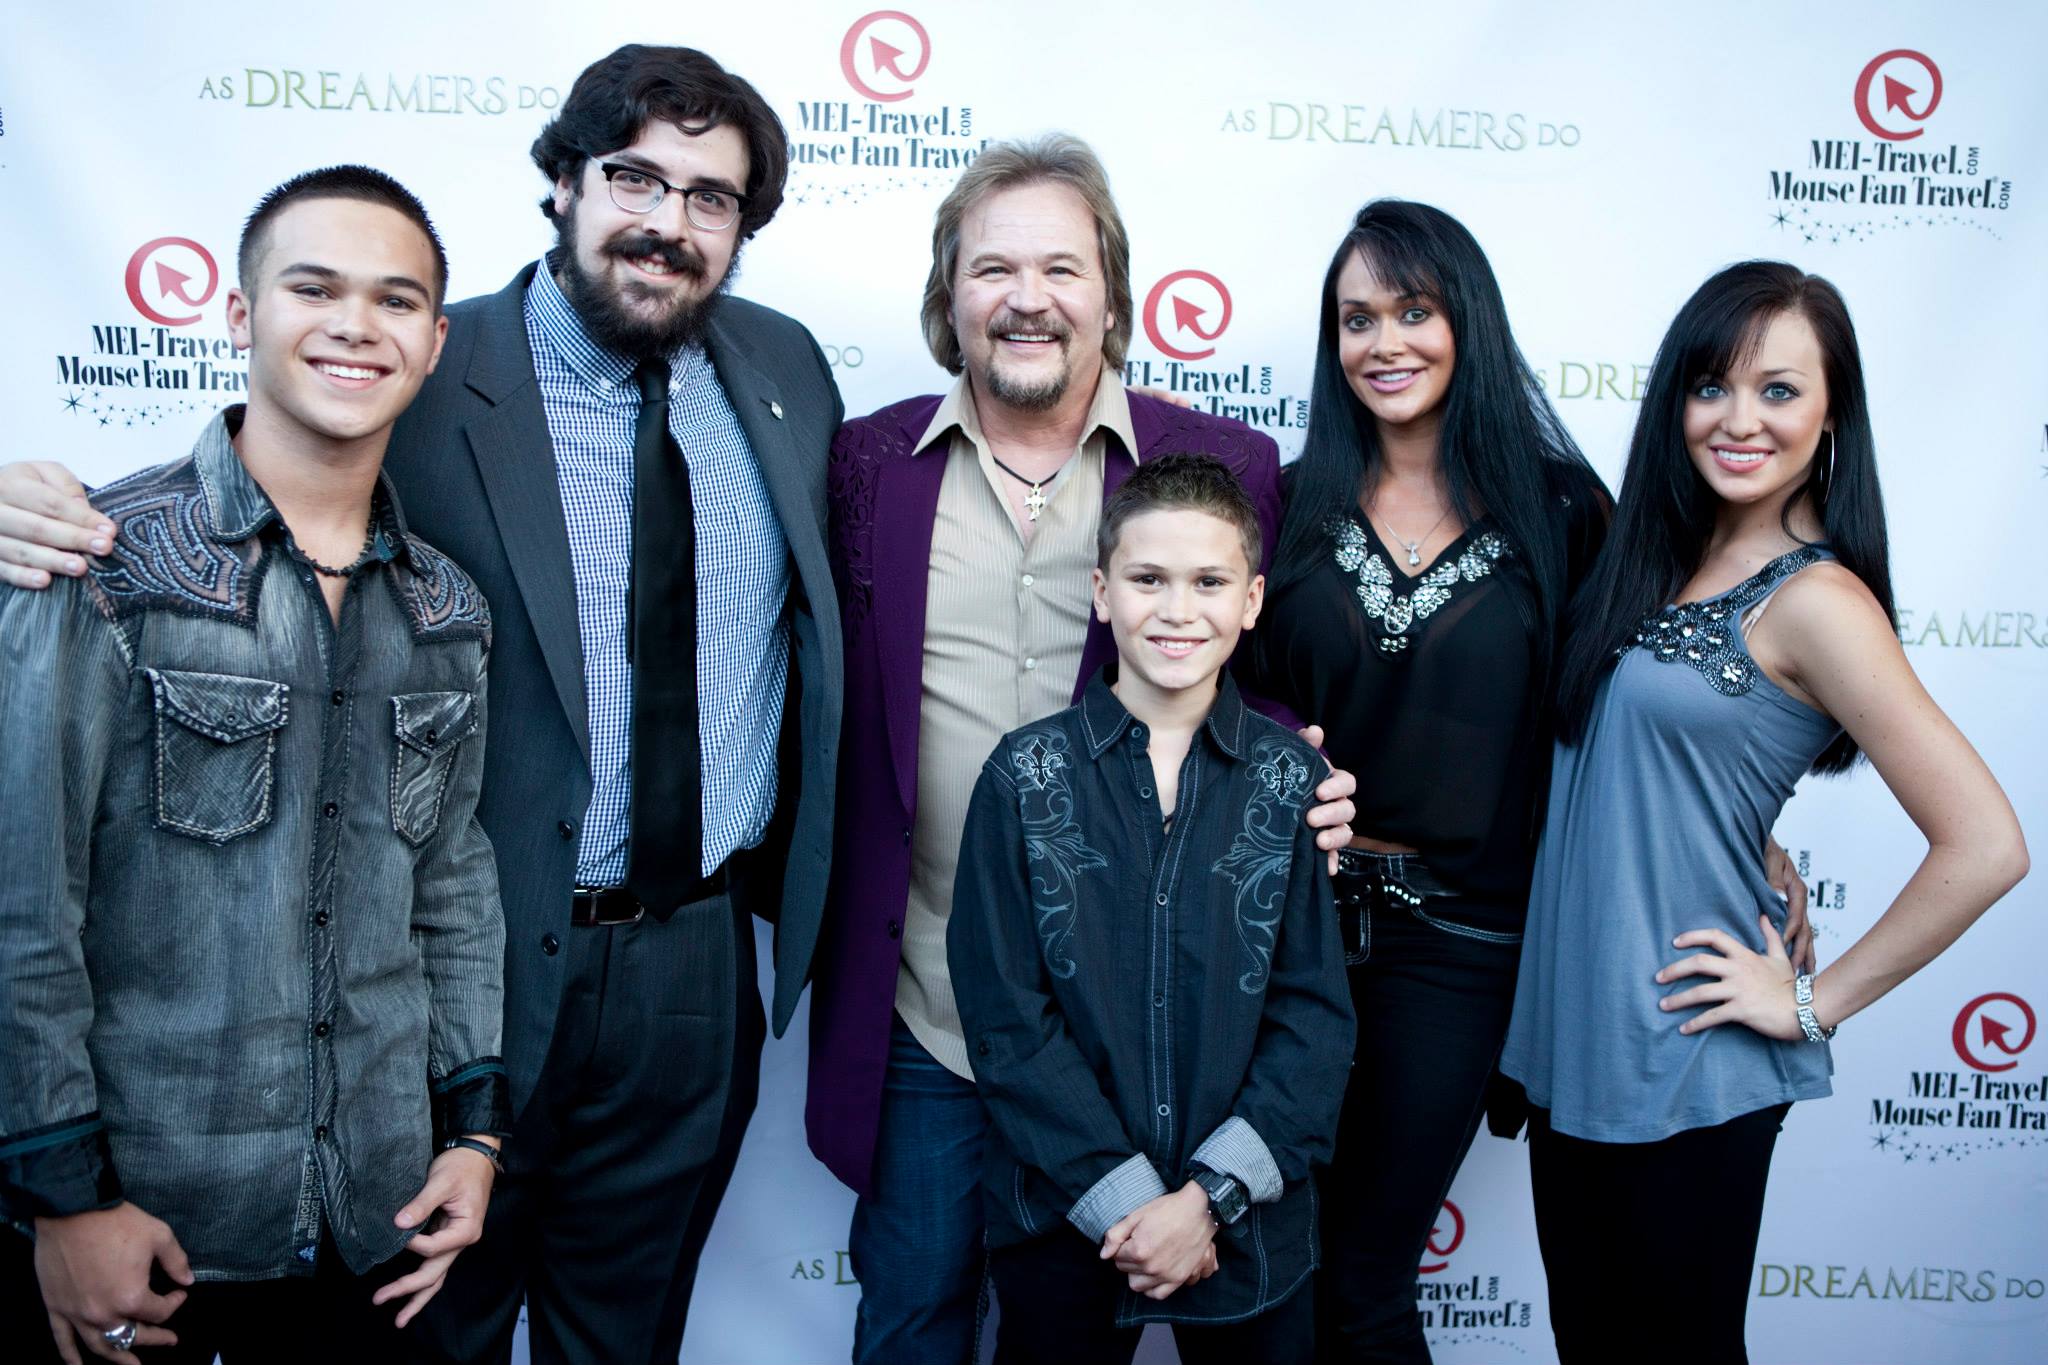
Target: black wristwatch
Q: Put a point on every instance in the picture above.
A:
(1226, 1194)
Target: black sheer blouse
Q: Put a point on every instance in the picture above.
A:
(1424, 688)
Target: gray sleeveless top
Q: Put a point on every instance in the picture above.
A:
(1656, 825)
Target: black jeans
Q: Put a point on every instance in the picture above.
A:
(325, 1318)
(1433, 998)
(1639, 1237)
(1058, 1301)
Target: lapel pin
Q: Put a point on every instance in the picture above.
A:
(775, 408)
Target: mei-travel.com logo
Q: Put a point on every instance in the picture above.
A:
(1466, 1303)
(1185, 316)
(1851, 189)
(129, 373)
(1946, 1113)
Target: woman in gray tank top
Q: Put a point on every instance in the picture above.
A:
(1739, 618)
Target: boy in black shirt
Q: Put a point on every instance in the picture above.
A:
(1148, 969)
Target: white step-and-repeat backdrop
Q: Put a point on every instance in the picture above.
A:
(1608, 156)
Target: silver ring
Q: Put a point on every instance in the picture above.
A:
(120, 1338)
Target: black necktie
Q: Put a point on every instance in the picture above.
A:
(664, 855)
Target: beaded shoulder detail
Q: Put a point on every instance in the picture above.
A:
(1708, 635)
(1396, 612)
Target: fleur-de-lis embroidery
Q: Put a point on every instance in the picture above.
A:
(1037, 762)
(1055, 851)
(1287, 777)
(1259, 856)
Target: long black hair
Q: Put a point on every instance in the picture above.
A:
(1666, 511)
(1499, 439)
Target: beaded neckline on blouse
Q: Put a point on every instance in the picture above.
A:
(1396, 612)
(1707, 634)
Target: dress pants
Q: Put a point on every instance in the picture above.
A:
(1648, 1245)
(916, 1243)
(616, 1165)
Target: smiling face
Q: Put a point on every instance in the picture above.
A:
(1753, 432)
(339, 319)
(1178, 592)
(1030, 304)
(642, 282)
(1396, 349)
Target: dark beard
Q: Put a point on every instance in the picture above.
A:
(606, 318)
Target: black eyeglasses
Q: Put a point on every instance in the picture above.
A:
(641, 191)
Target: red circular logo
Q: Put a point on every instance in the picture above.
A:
(160, 289)
(1200, 297)
(879, 59)
(1895, 93)
(1440, 1245)
(1993, 1035)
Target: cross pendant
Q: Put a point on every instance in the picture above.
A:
(1034, 502)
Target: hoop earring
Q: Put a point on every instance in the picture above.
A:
(1828, 483)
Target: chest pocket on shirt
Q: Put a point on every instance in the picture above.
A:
(216, 752)
(430, 727)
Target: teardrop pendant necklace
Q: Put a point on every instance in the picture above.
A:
(1413, 547)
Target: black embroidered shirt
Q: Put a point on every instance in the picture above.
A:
(1140, 998)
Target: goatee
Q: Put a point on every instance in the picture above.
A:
(1027, 395)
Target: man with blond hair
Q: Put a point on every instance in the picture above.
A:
(963, 534)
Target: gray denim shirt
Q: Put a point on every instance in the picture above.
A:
(251, 952)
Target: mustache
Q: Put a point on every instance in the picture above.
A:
(677, 256)
(1043, 325)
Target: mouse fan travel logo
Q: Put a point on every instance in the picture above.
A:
(1992, 1102)
(1184, 317)
(845, 150)
(158, 361)
(1847, 188)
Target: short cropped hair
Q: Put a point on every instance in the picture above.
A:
(1056, 158)
(617, 96)
(364, 184)
(1193, 483)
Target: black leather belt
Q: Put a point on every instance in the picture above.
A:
(592, 907)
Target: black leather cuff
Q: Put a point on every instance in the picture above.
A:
(475, 1097)
(58, 1170)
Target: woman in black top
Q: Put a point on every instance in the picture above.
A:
(1437, 520)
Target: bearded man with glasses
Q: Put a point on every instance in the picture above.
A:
(631, 462)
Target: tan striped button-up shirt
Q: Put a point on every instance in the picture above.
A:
(1004, 625)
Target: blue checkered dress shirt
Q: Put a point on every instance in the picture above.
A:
(742, 579)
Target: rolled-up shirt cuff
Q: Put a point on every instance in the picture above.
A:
(1130, 1185)
(1236, 1149)
(473, 1098)
(57, 1170)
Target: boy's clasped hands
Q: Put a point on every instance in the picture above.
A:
(1165, 1243)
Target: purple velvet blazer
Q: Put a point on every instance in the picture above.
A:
(882, 500)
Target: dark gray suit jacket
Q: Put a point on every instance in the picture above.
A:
(474, 466)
